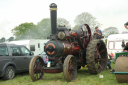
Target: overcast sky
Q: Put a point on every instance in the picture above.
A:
(110, 13)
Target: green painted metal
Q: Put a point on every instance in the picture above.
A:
(120, 54)
(120, 72)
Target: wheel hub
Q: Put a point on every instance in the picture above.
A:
(11, 73)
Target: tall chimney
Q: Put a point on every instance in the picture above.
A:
(53, 16)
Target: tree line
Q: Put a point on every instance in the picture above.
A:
(43, 28)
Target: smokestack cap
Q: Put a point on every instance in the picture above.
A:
(53, 5)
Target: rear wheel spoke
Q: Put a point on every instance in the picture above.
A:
(101, 51)
(102, 59)
(82, 30)
(100, 66)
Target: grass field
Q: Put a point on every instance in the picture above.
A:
(83, 78)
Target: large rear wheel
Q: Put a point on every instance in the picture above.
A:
(121, 65)
(96, 56)
(36, 68)
(70, 68)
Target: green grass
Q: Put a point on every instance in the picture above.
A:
(83, 78)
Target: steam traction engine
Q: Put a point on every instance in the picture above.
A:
(69, 51)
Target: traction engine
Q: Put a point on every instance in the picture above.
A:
(68, 51)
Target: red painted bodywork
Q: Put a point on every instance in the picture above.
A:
(71, 48)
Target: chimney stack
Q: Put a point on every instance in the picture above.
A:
(53, 16)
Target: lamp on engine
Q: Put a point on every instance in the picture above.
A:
(68, 51)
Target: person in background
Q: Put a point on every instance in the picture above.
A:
(97, 33)
(126, 25)
(109, 62)
(125, 49)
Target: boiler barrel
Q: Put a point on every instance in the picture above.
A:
(58, 48)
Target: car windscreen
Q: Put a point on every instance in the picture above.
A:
(43, 53)
(3, 51)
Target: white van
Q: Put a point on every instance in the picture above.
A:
(114, 43)
(34, 45)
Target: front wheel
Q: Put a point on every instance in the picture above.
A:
(9, 73)
(70, 68)
(36, 68)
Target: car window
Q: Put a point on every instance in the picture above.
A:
(118, 45)
(25, 51)
(15, 51)
(43, 53)
(3, 51)
(32, 47)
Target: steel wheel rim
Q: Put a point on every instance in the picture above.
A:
(38, 69)
(82, 39)
(70, 68)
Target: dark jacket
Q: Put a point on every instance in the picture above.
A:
(109, 58)
(96, 36)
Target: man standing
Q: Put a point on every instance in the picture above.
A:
(109, 62)
(126, 25)
(97, 33)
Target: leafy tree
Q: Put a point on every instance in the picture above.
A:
(44, 28)
(75, 27)
(39, 31)
(63, 21)
(24, 31)
(108, 31)
(87, 18)
(11, 39)
(2, 39)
